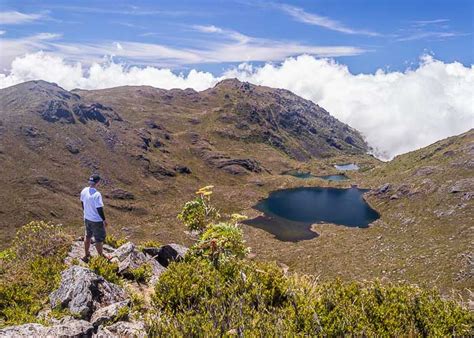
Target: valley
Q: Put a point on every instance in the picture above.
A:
(156, 147)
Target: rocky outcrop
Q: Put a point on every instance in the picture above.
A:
(66, 328)
(83, 292)
(55, 110)
(129, 258)
(108, 313)
(217, 159)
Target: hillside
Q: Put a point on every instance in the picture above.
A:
(425, 232)
(152, 146)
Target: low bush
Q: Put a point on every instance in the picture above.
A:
(106, 269)
(142, 274)
(196, 298)
(114, 241)
(30, 271)
(221, 241)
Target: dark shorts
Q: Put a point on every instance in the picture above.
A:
(95, 229)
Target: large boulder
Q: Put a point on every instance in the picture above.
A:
(122, 329)
(108, 313)
(69, 328)
(83, 292)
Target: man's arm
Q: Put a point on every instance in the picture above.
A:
(100, 210)
(82, 205)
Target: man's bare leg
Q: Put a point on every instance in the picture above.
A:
(87, 245)
(99, 246)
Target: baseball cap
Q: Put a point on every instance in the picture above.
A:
(94, 178)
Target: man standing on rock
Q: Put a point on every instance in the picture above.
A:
(94, 218)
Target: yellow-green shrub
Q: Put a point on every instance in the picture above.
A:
(30, 271)
(114, 241)
(106, 269)
(197, 298)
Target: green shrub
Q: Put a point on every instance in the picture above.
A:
(142, 274)
(238, 297)
(198, 213)
(31, 271)
(221, 241)
(114, 242)
(106, 269)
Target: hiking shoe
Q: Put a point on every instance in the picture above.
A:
(86, 259)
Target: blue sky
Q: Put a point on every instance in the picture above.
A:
(215, 35)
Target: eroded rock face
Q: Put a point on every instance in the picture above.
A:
(83, 292)
(55, 110)
(217, 159)
(70, 328)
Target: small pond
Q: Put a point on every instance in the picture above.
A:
(334, 177)
(289, 213)
(298, 174)
(348, 166)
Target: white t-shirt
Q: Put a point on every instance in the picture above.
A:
(92, 199)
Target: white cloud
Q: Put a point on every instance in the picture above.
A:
(301, 15)
(396, 111)
(14, 17)
(2, 32)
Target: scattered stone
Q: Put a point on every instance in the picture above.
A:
(182, 169)
(383, 189)
(121, 194)
(107, 313)
(73, 149)
(83, 292)
(464, 185)
(423, 171)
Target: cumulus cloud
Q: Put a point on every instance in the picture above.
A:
(396, 111)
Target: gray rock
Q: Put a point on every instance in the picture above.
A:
(383, 189)
(121, 194)
(123, 251)
(107, 313)
(71, 328)
(83, 292)
(25, 330)
(122, 329)
(77, 251)
(130, 258)
(464, 185)
(171, 253)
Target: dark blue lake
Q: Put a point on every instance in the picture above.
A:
(348, 166)
(289, 213)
